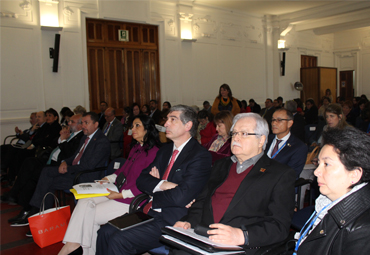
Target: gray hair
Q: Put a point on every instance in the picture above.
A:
(187, 114)
(291, 106)
(262, 128)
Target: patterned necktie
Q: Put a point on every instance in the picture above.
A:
(106, 130)
(276, 148)
(165, 176)
(79, 156)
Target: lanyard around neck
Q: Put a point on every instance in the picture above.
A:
(305, 231)
(273, 156)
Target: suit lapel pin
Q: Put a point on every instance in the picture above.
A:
(289, 145)
(262, 170)
(178, 170)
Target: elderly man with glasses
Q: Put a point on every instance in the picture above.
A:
(283, 146)
(249, 199)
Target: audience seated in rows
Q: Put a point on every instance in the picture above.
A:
(297, 128)
(206, 128)
(267, 112)
(249, 198)
(30, 171)
(171, 190)
(90, 213)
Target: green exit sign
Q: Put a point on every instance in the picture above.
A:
(123, 35)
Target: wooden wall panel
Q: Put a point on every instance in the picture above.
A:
(122, 73)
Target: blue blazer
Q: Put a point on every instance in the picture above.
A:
(294, 153)
(190, 171)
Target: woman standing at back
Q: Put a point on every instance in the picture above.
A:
(225, 101)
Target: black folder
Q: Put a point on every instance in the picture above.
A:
(189, 240)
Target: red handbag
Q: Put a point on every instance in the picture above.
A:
(49, 226)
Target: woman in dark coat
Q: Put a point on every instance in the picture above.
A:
(340, 224)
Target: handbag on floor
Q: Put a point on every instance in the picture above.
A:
(49, 226)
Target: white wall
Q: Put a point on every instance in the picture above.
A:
(234, 48)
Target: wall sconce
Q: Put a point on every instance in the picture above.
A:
(186, 27)
(281, 44)
(49, 15)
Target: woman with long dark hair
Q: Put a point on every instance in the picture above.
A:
(225, 101)
(90, 213)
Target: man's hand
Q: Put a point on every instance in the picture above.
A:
(168, 185)
(154, 172)
(63, 168)
(182, 224)
(190, 204)
(64, 133)
(226, 235)
(35, 127)
(114, 195)
(18, 131)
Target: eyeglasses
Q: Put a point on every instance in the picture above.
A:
(278, 120)
(242, 134)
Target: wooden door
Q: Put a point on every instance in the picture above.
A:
(308, 61)
(122, 73)
(346, 84)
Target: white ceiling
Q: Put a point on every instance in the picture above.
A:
(322, 17)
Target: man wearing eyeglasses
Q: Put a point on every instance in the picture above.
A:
(249, 198)
(283, 146)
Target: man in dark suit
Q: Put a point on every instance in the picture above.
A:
(103, 107)
(298, 127)
(283, 146)
(155, 114)
(267, 112)
(173, 180)
(93, 152)
(30, 171)
(249, 198)
(113, 129)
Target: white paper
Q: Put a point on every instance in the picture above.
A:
(94, 188)
(116, 165)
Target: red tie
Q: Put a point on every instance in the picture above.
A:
(77, 159)
(165, 176)
(276, 148)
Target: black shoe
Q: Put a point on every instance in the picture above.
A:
(20, 220)
(78, 251)
(29, 234)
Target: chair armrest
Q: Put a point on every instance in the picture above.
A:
(77, 177)
(301, 182)
(9, 136)
(134, 205)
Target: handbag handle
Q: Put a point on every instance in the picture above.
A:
(42, 206)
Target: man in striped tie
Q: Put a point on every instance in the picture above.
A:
(173, 180)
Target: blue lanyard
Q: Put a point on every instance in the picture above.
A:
(302, 235)
(273, 156)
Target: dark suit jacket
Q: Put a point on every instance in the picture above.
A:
(114, 134)
(102, 120)
(156, 116)
(96, 154)
(263, 203)
(190, 171)
(297, 128)
(67, 149)
(47, 135)
(294, 153)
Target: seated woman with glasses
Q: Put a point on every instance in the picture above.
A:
(219, 145)
(340, 224)
(90, 213)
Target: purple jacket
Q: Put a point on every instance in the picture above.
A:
(224, 151)
(137, 161)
